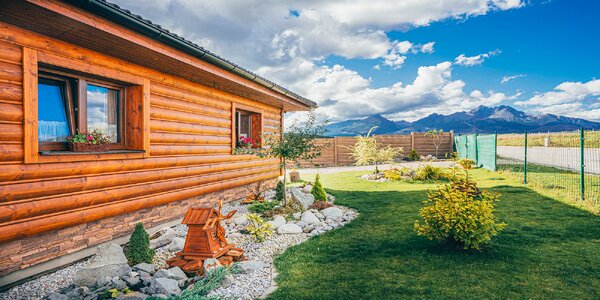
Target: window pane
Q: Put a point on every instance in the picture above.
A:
(52, 113)
(103, 111)
(245, 125)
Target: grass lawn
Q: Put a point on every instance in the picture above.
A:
(561, 184)
(549, 249)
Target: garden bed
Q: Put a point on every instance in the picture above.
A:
(253, 281)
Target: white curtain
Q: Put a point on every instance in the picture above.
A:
(52, 131)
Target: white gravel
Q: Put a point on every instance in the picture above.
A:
(43, 285)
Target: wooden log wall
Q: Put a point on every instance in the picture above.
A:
(338, 150)
(190, 146)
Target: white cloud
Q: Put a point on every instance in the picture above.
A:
(289, 48)
(566, 92)
(349, 95)
(569, 99)
(506, 79)
(470, 61)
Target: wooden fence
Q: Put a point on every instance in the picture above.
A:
(338, 150)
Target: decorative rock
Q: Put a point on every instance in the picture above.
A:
(146, 267)
(289, 229)
(120, 284)
(165, 286)
(250, 266)
(173, 273)
(109, 261)
(307, 188)
(57, 296)
(319, 215)
(162, 237)
(241, 220)
(305, 199)
(135, 283)
(309, 218)
(176, 244)
(301, 224)
(210, 264)
(102, 281)
(332, 213)
(297, 215)
(277, 221)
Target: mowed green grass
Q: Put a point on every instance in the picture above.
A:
(561, 184)
(549, 250)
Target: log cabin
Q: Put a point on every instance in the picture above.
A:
(173, 109)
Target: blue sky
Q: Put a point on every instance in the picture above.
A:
(406, 59)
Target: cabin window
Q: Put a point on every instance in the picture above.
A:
(248, 128)
(68, 104)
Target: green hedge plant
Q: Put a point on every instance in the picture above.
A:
(139, 246)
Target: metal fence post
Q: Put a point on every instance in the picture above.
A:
(525, 161)
(582, 168)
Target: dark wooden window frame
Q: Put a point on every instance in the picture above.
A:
(256, 124)
(75, 92)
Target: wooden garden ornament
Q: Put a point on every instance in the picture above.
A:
(205, 239)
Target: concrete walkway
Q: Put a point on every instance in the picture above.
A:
(412, 164)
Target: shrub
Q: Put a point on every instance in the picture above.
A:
(392, 174)
(139, 246)
(201, 288)
(261, 207)
(466, 163)
(258, 228)
(368, 151)
(318, 191)
(279, 191)
(413, 155)
(429, 172)
(459, 212)
(319, 205)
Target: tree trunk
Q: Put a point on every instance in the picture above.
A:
(284, 183)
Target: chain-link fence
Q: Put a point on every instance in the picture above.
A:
(566, 164)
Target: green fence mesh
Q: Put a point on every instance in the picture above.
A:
(479, 147)
(560, 163)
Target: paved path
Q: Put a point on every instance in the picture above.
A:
(327, 170)
(561, 157)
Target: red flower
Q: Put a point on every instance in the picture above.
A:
(90, 138)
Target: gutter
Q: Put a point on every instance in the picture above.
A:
(125, 18)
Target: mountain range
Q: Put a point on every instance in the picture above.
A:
(483, 119)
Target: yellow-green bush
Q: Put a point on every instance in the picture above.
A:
(459, 212)
(258, 227)
(398, 174)
(429, 172)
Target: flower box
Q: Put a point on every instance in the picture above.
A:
(88, 147)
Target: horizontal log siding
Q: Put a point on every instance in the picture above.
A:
(338, 150)
(190, 152)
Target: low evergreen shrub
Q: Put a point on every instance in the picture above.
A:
(139, 246)
(461, 213)
(280, 191)
(413, 155)
(262, 207)
(318, 191)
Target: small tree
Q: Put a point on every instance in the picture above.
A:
(436, 137)
(139, 246)
(295, 144)
(279, 191)
(367, 151)
(318, 191)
